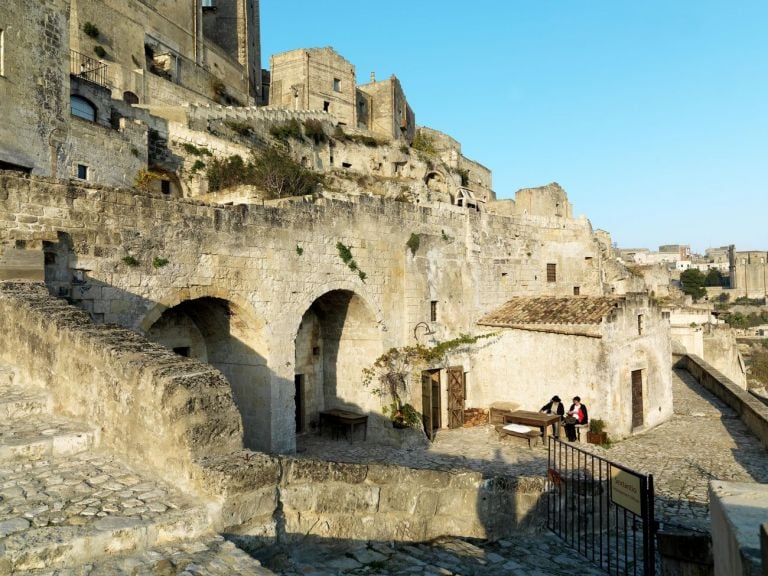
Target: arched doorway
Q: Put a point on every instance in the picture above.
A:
(216, 331)
(337, 338)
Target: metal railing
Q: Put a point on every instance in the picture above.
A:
(602, 509)
(87, 68)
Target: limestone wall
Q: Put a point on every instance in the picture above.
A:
(146, 403)
(722, 351)
(35, 113)
(294, 499)
(750, 274)
(469, 262)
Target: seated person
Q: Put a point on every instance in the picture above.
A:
(577, 414)
(554, 406)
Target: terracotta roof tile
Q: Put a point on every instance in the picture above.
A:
(551, 310)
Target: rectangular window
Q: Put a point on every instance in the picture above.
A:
(551, 272)
(336, 85)
(576, 290)
(82, 171)
(326, 106)
(433, 311)
(165, 186)
(640, 324)
(2, 52)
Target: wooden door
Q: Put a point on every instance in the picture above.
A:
(637, 398)
(430, 402)
(455, 397)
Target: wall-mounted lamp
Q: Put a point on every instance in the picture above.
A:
(427, 329)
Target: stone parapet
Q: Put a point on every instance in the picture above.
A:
(147, 403)
(751, 411)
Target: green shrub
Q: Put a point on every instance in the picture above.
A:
(197, 166)
(299, 250)
(413, 243)
(195, 151)
(313, 129)
(596, 425)
(241, 128)
(423, 142)
(159, 262)
(286, 130)
(99, 50)
(130, 261)
(91, 30)
(271, 169)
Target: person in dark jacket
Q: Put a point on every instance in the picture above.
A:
(554, 406)
(577, 414)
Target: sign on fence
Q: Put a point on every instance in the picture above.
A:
(625, 490)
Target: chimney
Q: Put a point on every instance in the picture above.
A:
(373, 76)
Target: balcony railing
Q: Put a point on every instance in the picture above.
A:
(87, 68)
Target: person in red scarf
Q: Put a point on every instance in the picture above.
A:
(577, 414)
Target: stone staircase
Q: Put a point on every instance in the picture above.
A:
(68, 508)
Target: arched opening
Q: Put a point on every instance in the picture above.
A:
(130, 98)
(337, 338)
(216, 331)
(435, 181)
(82, 108)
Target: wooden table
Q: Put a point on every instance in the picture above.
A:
(343, 421)
(535, 419)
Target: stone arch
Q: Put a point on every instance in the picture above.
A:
(339, 334)
(436, 181)
(227, 336)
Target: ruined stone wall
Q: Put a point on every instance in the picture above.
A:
(549, 200)
(722, 351)
(146, 403)
(389, 114)
(34, 86)
(469, 262)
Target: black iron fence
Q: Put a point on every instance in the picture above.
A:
(87, 68)
(602, 509)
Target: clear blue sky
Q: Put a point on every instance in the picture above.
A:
(652, 114)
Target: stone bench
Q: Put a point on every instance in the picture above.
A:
(531, 435)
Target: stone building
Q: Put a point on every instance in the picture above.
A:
(613, 352)
(383, 110)
(171, 52)
(749, 273)
(314, 79)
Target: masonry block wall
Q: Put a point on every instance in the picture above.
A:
(107, 242)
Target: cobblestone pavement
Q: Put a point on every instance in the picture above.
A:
(537, 555)
(209, 556)
(704, 440)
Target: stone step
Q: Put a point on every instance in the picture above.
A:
(67, 513)
(41, 435)
(212, 556)
(17, 402)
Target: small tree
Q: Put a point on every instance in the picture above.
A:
(693, 281)
(713, 278)
(280, 175)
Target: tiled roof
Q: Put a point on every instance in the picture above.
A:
(551, 310)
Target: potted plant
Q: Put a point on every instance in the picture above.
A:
(596, 433)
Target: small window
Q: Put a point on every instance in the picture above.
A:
(130, 98)
(82, 171)
(551, 272)
(346, 165)
(576, 290)
(165, 186)
(326, 106)
(183, 351)
(208, 4)
(2, 52)
(665, 315)
(336, 85)
(433, 311)
(640, 326)
(82, 108)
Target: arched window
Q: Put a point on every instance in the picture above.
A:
(130, 98)
(82, 108)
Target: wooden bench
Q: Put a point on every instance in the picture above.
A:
(533, 435)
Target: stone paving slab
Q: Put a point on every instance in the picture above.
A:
(211, 556)
(54, 510)
(525, 555)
